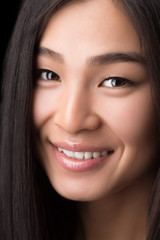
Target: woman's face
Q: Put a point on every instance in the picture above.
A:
(93, 113)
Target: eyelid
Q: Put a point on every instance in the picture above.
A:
(126, 81)
(40, 71)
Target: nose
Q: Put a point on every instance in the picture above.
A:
(76, 113)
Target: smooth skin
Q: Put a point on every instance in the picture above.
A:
(75, 104)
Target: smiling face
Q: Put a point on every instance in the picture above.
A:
(93, 113)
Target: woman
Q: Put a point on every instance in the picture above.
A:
(80, 122)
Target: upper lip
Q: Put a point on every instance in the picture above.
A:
(80, 147)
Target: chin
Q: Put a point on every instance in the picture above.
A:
(73, 195)
(76, 193)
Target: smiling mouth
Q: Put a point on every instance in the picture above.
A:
(83, 155)
(79, 157)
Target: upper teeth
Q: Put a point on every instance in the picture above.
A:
(82, 155)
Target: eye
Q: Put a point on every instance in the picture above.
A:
(47, 75)
(115, 82)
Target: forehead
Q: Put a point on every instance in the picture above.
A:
(90, 28)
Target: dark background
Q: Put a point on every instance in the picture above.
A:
(8, 15)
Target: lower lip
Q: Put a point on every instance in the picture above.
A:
(77, 165)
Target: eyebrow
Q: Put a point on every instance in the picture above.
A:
(117, 57)
(103, 59)
(50, 53)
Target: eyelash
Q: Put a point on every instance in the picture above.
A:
(109, 82)
(47, 75)
(122, 82)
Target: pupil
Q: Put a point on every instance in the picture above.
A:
(117, 82)
(52, 75)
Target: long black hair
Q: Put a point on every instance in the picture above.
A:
(29, 206)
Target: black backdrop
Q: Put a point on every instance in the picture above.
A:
(8, 14)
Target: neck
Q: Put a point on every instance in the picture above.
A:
(120, 216)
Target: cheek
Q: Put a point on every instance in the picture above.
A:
(134, 123)
(133, 120)
(43, 106)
